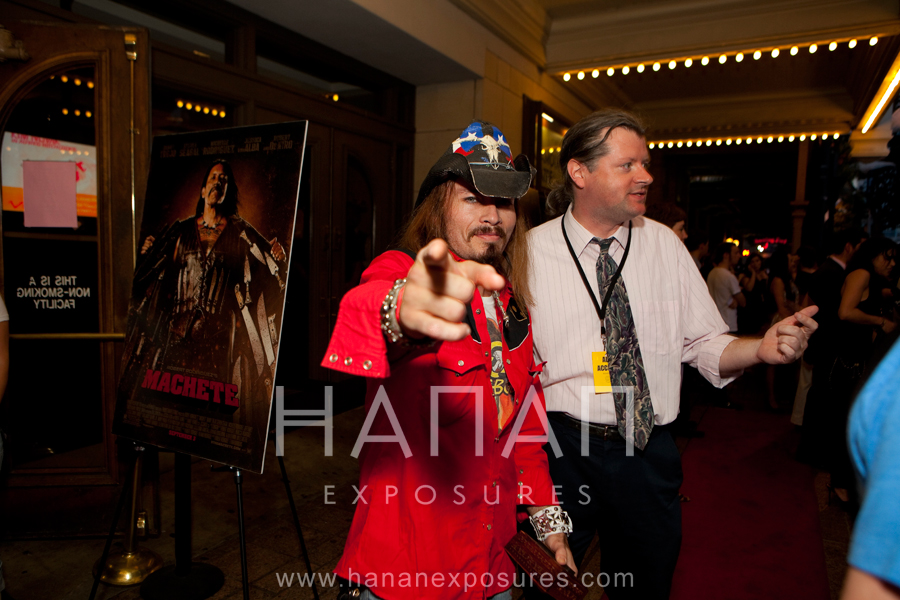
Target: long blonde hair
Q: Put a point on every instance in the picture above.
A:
(427, 222)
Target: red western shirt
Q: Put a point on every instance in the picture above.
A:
(435, 526)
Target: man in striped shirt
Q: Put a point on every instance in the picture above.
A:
(619, 470)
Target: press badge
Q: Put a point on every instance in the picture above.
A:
(602, 382)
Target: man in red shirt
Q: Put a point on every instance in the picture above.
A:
(451, 443)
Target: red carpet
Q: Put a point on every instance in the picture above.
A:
(751, 529)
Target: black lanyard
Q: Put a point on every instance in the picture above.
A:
(601, 311)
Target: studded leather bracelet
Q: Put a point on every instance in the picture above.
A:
(550, 520)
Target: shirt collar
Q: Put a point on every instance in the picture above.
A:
(581, 237)
(838, 261)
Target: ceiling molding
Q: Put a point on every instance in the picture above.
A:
(661, 30)
(523, 24)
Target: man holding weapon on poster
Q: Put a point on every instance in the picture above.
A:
(444, 456)
(203, 291)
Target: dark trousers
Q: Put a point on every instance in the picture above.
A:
(630, 501)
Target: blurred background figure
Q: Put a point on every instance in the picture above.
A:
(806, 267)
(698, 245)
(754, 280)
(867, 314)
(786, 297)
(669, 215)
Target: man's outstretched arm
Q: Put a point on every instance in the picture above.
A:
(783, 343)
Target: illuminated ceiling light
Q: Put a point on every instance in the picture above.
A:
(77, 81)
(775, 53)
(205, 110)
(813, 137)
(888, 93)
(335, 97)
(791, 138)
(543, 150)
(709, 142)
(669, 145)
(722, 59)
(824, 136)
(64, 78)
(770, 139)
(705, 61)
(802, 137)
(749, 140)
(189, 106)
(626, 70)
(567, 77)
(873, 40)
(197, 108)
(90, 84)
(215, 112)
(652, 145)
(222, 114)
(852, 44)
(595, 73)
(739, 57)
(641, 68)
(832, 46)
(738, 141)
(745, 253)
(547, 117)
(728, 142)
(551, 150)
(760, 248)
(837, 135)
(688, 63)
(736, 242)
(813, 48)
(689, 144)
(88, 114)
(729, 240)
(179, 104)
(77, 112)
(672, 64)
(794, 50)
(580, 75)
(65, 111)
(757, 55)
(759, 140)
(780, 138)
(718, 142)
(679, 144)
(656, 66)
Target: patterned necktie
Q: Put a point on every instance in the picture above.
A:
(626, 366)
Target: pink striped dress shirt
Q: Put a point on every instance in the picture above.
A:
(675, 318)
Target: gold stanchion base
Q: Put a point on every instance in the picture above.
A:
(124, 568)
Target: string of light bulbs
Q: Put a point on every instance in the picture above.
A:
(704, 60)
(737, 141)
(206, 110)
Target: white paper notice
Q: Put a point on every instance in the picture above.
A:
(49, 190)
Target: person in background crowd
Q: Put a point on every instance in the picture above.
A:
(698, 246)
(723, 285)
(4, 377)
(874, 558)
(671, 216)
(866, 315)
(825, 292)
(754, 281)
(786, 297)
(807, 266)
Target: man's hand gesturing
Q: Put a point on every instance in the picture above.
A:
(437, 291)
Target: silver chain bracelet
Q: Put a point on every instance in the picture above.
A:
(389, 324)
(550, 520)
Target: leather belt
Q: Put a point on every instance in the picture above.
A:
(604, 432)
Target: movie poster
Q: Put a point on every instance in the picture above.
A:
(204, 325)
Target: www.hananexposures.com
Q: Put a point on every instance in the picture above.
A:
(463, 581)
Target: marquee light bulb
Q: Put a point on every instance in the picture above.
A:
(640, 68)
(610, 71)
(722, 59)
(813, 48)
(625, 70)
(656, 66)
(688, 63)
(580, 75)
(672, 64)
(705, 61)
(794, 50)
(595, 73)
(567, 76)
(775, 53)
(757, 55)
(739, 57)
(832, 46)
(852, 44)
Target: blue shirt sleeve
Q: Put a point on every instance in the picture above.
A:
(874, 437)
